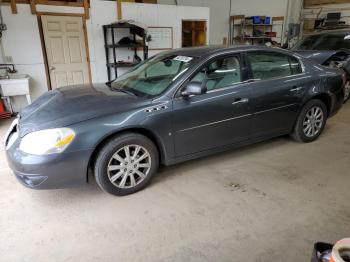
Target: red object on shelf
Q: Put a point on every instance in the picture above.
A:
(3, 113)
(271, 34)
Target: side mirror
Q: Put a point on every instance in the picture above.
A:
(194, 88)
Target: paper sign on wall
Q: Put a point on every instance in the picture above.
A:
(161, 38)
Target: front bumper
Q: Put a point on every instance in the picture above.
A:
(49, 171)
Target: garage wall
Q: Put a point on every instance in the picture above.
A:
(158, 15)
(21, 40)
(219, 15)
(261, 7)
(220, 12)
(104, 12)
(322, 10)
(101, 13)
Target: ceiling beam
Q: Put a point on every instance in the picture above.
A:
(119, 9)
(32, 7)
(13, 7)
(86, 9)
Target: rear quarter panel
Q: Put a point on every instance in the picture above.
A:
(326, 81)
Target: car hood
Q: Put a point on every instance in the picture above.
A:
(69, 105)
(318, 56)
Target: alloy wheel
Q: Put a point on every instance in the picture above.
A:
(129, 166)
(313, 121)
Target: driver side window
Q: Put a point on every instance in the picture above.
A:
(219, 73)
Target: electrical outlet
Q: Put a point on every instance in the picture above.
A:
(8, 59)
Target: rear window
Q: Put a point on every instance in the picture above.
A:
(268, 65)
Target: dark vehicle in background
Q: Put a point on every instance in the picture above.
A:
(178, 105)
(328, 48)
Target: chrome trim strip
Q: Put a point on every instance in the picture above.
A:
(296, 89)
(213, 97)
(275, 108)
(214, 123)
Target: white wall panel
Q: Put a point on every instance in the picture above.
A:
(101, 13)
(21, 41)
(59, 9)
(165, 15)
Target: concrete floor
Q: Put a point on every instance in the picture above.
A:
(265, 202)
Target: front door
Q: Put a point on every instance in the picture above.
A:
(220, 117)
(65, 50)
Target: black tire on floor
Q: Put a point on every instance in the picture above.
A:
(298, 133)
(110, 148)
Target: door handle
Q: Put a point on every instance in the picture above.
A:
(52, 68)
(296, 89)
(251, 80)
(240, 101)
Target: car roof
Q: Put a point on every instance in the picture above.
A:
(211, 50)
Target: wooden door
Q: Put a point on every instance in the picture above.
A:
(65, 50)
(194, 33)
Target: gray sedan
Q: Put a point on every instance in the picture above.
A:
(176, 106)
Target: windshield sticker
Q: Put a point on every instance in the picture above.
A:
(184, 59)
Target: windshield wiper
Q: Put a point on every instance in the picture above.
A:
(123, 90)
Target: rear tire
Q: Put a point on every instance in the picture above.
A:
(126, 164)
(347, 91)
(311, 122)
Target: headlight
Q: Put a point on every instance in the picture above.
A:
(49, 141)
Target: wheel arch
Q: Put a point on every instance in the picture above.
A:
(143, 131)
(325, 98)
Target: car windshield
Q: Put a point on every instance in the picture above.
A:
(325, 42)
(153, 76)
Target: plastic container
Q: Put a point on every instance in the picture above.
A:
(256, 19)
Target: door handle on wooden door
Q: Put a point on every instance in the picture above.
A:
(52, 68)
(240, 101)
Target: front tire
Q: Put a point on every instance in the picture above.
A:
(126, 164)
(311, 122)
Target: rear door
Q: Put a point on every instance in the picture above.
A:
(219, 117)
(278, 85)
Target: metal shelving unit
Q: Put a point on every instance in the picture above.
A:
(239, 28)
(111, 46)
